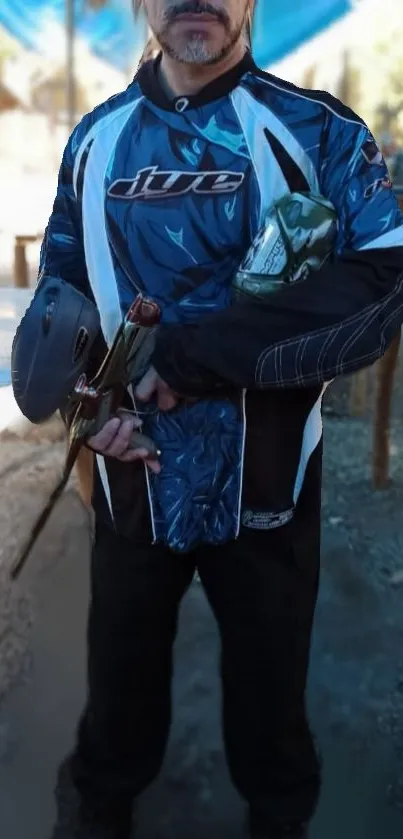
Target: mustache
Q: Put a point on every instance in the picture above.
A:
(195, 7)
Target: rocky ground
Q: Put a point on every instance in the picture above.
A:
(356, 679)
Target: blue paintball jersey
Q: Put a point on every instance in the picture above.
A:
(164, 196)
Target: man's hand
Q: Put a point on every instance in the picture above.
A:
(114, 440)
(151, 384)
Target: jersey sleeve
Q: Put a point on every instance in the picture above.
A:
(338, 320)
(62, 251)
(355, 178)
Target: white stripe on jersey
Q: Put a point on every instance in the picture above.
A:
(311, 438)
(105, 481)
(391, 239)
(254, 117)
(121, 115)
(98, 256)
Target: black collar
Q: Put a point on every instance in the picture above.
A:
(147, 78)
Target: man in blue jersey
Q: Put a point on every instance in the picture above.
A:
(162, 190)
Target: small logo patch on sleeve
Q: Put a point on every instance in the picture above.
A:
(371, 152)
(380, 183)
(262, 520)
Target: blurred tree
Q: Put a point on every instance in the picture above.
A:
(388, 115)
(349, 88)
(308, 77)
(7, 49)
(71, 84)
(96, 4)
(380, 56)
(389, 56)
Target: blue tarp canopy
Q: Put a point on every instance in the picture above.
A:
(280, 26)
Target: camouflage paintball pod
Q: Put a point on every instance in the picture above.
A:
(297, 237)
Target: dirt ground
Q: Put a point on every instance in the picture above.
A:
(356, 677)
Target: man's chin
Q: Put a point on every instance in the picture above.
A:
(200, 53)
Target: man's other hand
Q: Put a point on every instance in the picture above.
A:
(113, 440)
(152, 385)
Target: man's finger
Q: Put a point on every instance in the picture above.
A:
(124, 413)
(105, 436)
(134, 455)
(147, 386)
(154, 465)
(167, 399)
(121, 441)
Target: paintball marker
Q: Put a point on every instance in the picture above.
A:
(43, 382)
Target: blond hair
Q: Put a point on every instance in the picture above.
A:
(151, 48)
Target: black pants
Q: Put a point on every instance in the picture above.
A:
(262, 589)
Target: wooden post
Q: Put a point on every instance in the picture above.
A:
(21, 271)
(21, 275)
(386, 369)
(359, 393)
